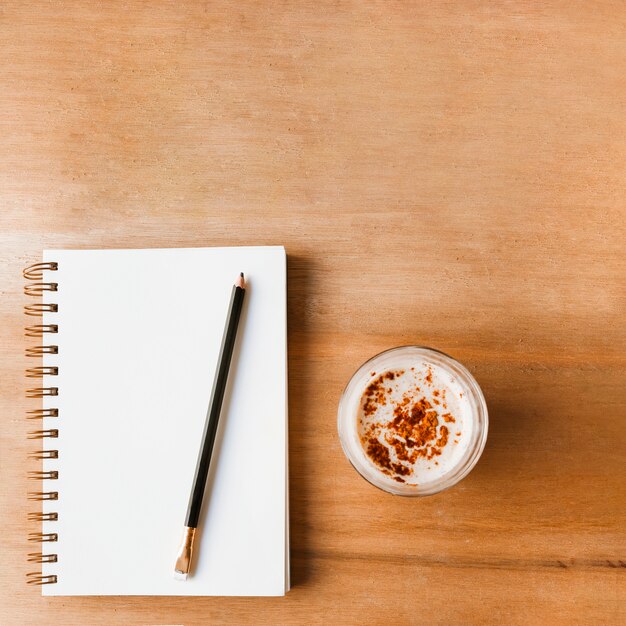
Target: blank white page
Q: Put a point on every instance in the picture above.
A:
(139, 336)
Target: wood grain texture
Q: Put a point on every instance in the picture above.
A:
(442, 173)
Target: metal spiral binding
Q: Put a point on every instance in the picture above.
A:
(40, 372)
(40, 392)
(38, 516)
(43, 537)
(39, 557)
(35, 271)
(37, 310)
(44, 454)
(37, 351)
(43, 495)
(50, 433)
(38, 475)
(39, 330)
(36, 287)
(35, 578)
(38, 414)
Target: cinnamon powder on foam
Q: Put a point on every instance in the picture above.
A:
(415, 430)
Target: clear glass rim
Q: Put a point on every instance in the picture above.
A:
(448, 480)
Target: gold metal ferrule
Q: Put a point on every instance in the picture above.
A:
(185, 552)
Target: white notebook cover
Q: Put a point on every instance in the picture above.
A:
(139, 335)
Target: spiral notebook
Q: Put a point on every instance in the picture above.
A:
(123, 349)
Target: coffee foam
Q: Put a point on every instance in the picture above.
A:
(405, 384)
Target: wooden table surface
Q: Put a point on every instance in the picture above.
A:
(449, 174)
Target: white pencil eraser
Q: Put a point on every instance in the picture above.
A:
(179, 576)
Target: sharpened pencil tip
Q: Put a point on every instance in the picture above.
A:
(240, 282)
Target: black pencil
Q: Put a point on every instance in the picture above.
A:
(183, 560)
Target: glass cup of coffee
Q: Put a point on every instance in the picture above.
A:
(413, 421)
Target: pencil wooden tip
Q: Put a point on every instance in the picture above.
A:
(240, 282)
